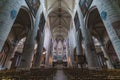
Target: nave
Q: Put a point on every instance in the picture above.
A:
(59, 39)
(60, 73)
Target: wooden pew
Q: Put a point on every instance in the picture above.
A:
(32, 74)
(85, 74)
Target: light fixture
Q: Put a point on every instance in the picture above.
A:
(44, 52)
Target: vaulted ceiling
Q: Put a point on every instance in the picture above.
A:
(59, 23)
(59, 12)
(67, 5)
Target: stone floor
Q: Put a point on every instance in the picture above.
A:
(60, 75)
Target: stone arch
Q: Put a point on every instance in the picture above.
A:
(88, 14)
(95, 25)
(93, 21)
(24, 20)
(67, 10)
(22, 25)
(30, 16)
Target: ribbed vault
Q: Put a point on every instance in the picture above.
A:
(59, 13)
(59, 23)
(52, 5)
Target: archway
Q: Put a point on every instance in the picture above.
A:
(60, 26)
(20, 29)
(97, 29)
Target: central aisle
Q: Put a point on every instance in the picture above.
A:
(60, 75)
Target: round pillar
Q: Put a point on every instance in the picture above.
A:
(37, 60)
(48, 54)
(28, 50)
(88, 43)
(79, 43)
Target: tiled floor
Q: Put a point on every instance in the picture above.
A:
(60, 75)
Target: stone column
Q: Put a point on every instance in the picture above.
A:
(30, 43)
(8, 12)
(28, 51)
(71, 53)
(79, 50)
(47, 58)
(67, 52)
(109, 64)
(79, 43)
(89, 49)
(110, 15)
(37, 60)
(48, 53)
(92, 47)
